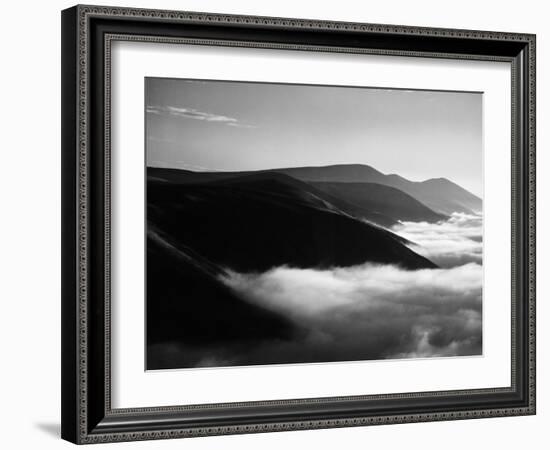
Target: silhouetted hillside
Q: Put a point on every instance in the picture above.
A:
(438, 194)
(186, 302)
(381, 205)
(267, 220)
(202, 225)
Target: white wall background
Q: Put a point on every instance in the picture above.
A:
(30, 225)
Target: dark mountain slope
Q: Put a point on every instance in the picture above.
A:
(197, 231)
(313, 196)
(438, 194)
(382, 199)
(186, 302)
(175, 176)
(267, 220)
(368, 210)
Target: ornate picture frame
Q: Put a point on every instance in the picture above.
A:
(88, 33)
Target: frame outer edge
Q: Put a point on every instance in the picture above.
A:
(75, 232)
(532, 143)
(82, 151)
(297, 23)
(69, 313)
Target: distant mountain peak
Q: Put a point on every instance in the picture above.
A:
(438, 180)
(439, 194)
(350, 166)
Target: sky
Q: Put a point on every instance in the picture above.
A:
(206, 125)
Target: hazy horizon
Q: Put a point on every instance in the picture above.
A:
(228, 126)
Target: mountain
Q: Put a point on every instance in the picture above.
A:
(376, 203)
(385, 200)
(187, 302)
(202, 226)
(346, 173)
(312, 195)
(439, 194)
(265, 220)
(176, 176)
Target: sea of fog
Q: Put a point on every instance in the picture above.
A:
(373, 311)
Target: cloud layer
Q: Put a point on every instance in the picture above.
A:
(364, 312)
(367, 312)
(450, 243)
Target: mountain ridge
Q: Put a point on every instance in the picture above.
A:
(379, 204)
(268, 221)
(382, 199)
(439, 194)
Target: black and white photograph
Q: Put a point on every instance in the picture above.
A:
(279, 219)
(292, 223)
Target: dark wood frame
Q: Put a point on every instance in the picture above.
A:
(87, 32)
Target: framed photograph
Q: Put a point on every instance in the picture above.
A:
(277, 224)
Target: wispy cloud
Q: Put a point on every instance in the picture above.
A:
(191, 113)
